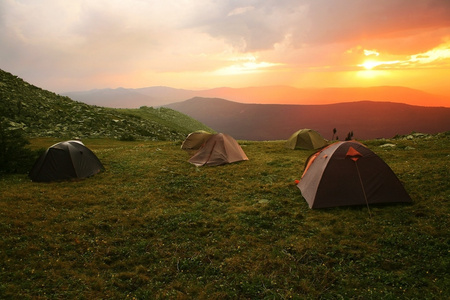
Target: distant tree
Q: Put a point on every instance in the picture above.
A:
(349, 136)
(334, 132)
(15, 157)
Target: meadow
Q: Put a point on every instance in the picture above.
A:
(153, 226)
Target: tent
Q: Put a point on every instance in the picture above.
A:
(65, 160)
(305, 139)
(219, 149)
(348, 173)
(195, 140)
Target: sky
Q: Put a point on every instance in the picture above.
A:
(76, 45)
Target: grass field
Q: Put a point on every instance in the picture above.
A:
(153, 226)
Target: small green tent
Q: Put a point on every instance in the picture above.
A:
(305, 139)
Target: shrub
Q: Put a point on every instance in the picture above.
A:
(15, 156)
(127, 137)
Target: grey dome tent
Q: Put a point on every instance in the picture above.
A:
(65, 160)
(305, 139)
(219, 149)
(348, 173)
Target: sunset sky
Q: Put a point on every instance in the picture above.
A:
(71, 45)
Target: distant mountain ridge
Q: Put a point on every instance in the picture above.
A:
(41, 113)
(366, 119)
(159, 96)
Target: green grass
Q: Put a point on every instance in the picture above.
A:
(154, 226)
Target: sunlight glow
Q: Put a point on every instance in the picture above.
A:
(439, 56)
(245, 64)
(246, 67)
(372, 74)
(370, 64)
(435, 55)
(371, 52)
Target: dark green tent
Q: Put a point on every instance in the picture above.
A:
(65, 160)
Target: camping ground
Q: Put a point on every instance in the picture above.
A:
(154, 226)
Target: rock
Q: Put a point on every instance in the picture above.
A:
(388, 145)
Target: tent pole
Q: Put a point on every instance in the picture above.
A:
(210, 153)
(364, 191)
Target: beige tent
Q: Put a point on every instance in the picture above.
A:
(306, 139)
(219, 149)
(195, 140)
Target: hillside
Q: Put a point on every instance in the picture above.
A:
(42, 113)
(157, 95)
(366, 119)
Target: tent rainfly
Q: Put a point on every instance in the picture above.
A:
(348, 173)
(219, 149)
(65, 160)
(195, 140)
(305, 139)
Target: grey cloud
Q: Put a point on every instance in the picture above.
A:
(258, 28)
(318, 21)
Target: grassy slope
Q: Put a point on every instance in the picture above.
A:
(154, 226)
(42, 114)
(168, 117)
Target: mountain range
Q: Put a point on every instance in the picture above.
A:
(159, 95)
(366, 119)
(43, 113)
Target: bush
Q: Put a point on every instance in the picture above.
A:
(127, 137)
(15, 156)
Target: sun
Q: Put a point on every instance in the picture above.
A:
(370, 64)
